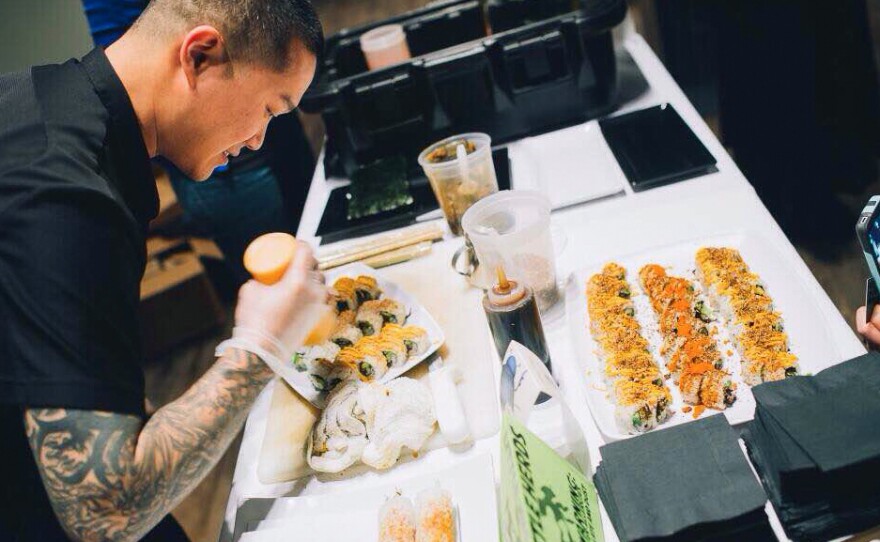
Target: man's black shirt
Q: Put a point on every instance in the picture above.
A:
(76, 197)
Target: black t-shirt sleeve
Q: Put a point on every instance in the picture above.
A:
(70, 270)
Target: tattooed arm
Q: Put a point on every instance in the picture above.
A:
(113, 477)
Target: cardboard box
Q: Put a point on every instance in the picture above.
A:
(178, 302)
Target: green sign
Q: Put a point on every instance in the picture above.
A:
(544, 498)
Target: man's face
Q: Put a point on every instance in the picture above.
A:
(225, 112)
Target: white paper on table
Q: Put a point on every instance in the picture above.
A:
(569, 166)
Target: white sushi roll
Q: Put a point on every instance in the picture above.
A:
(435, 513)
(366, 288)
(369, 319)
(325, 352)
(397, 520)
(414, 338)
(346, 332)
(390, 310)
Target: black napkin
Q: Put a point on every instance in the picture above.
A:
(815, 443)
(682, 483)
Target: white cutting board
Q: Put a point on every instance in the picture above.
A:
(470, 483)
(456, 308)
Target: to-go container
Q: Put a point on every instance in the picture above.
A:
(385, 46)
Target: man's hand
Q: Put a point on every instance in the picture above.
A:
(870, 330)
(282, 310)
(113, 477)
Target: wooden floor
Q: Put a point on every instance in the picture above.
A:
(201, 514)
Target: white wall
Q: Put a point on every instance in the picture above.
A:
(41, 32)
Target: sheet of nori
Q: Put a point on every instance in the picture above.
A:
(677, 479)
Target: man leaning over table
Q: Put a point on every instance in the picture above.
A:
(194, 81)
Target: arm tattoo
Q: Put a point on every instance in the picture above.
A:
(113, 477)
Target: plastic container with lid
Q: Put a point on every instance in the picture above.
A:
(385, 46)
(461, 181)
(511, 229)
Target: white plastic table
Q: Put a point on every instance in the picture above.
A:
(718, 203)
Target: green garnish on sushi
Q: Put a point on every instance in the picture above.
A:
(702, 312)
(624, 293)
(629, 311)
(365, 369)
(366, 328)
(299, 363)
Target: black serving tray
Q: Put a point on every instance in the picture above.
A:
(655, 147)
(510, 85)
(336, 226)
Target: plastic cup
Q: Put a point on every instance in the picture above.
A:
(384, 46)
(462, 181)
(511, 229)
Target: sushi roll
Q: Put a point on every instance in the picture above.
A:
(325, 352)
(391, 311)
(742, 299)
(366, 363)
(391, 348)
(414, 338)
(642, 399)
(345, 295)
(366, 289)
(397, 520)
(369, 318)
(641, 405)
(346, 332)
(435, 516)
(320, 364)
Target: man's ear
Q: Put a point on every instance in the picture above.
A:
(202, 49)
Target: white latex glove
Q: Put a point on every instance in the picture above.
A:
(275, 319)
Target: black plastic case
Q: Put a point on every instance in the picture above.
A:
(513, 84)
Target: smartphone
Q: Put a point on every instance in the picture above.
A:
(868, 232)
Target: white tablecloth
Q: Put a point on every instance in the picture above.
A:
(719, 203)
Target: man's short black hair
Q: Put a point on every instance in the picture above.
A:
(259, 31)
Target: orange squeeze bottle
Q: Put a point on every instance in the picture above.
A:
(267, 259)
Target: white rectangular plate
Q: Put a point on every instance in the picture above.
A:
(806, 328)
(354, 516)
(418, 316)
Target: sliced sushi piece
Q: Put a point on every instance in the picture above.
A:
(435, 516)
(397, 520)
(369, 319)
(641, 405)
(367, 363)
(414, 338)
(392, 348)
(366, 288)
(391, 311)
(346, 332)
(344, 294)
(325, 352)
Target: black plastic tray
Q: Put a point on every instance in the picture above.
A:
(510, 85)
(655, 147)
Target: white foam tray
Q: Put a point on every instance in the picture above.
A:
(807, 330)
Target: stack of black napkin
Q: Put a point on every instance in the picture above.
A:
(815, 441)
(686, 483)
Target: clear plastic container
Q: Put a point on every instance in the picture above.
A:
(464, 180)
(511, 229)
(384, 46)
